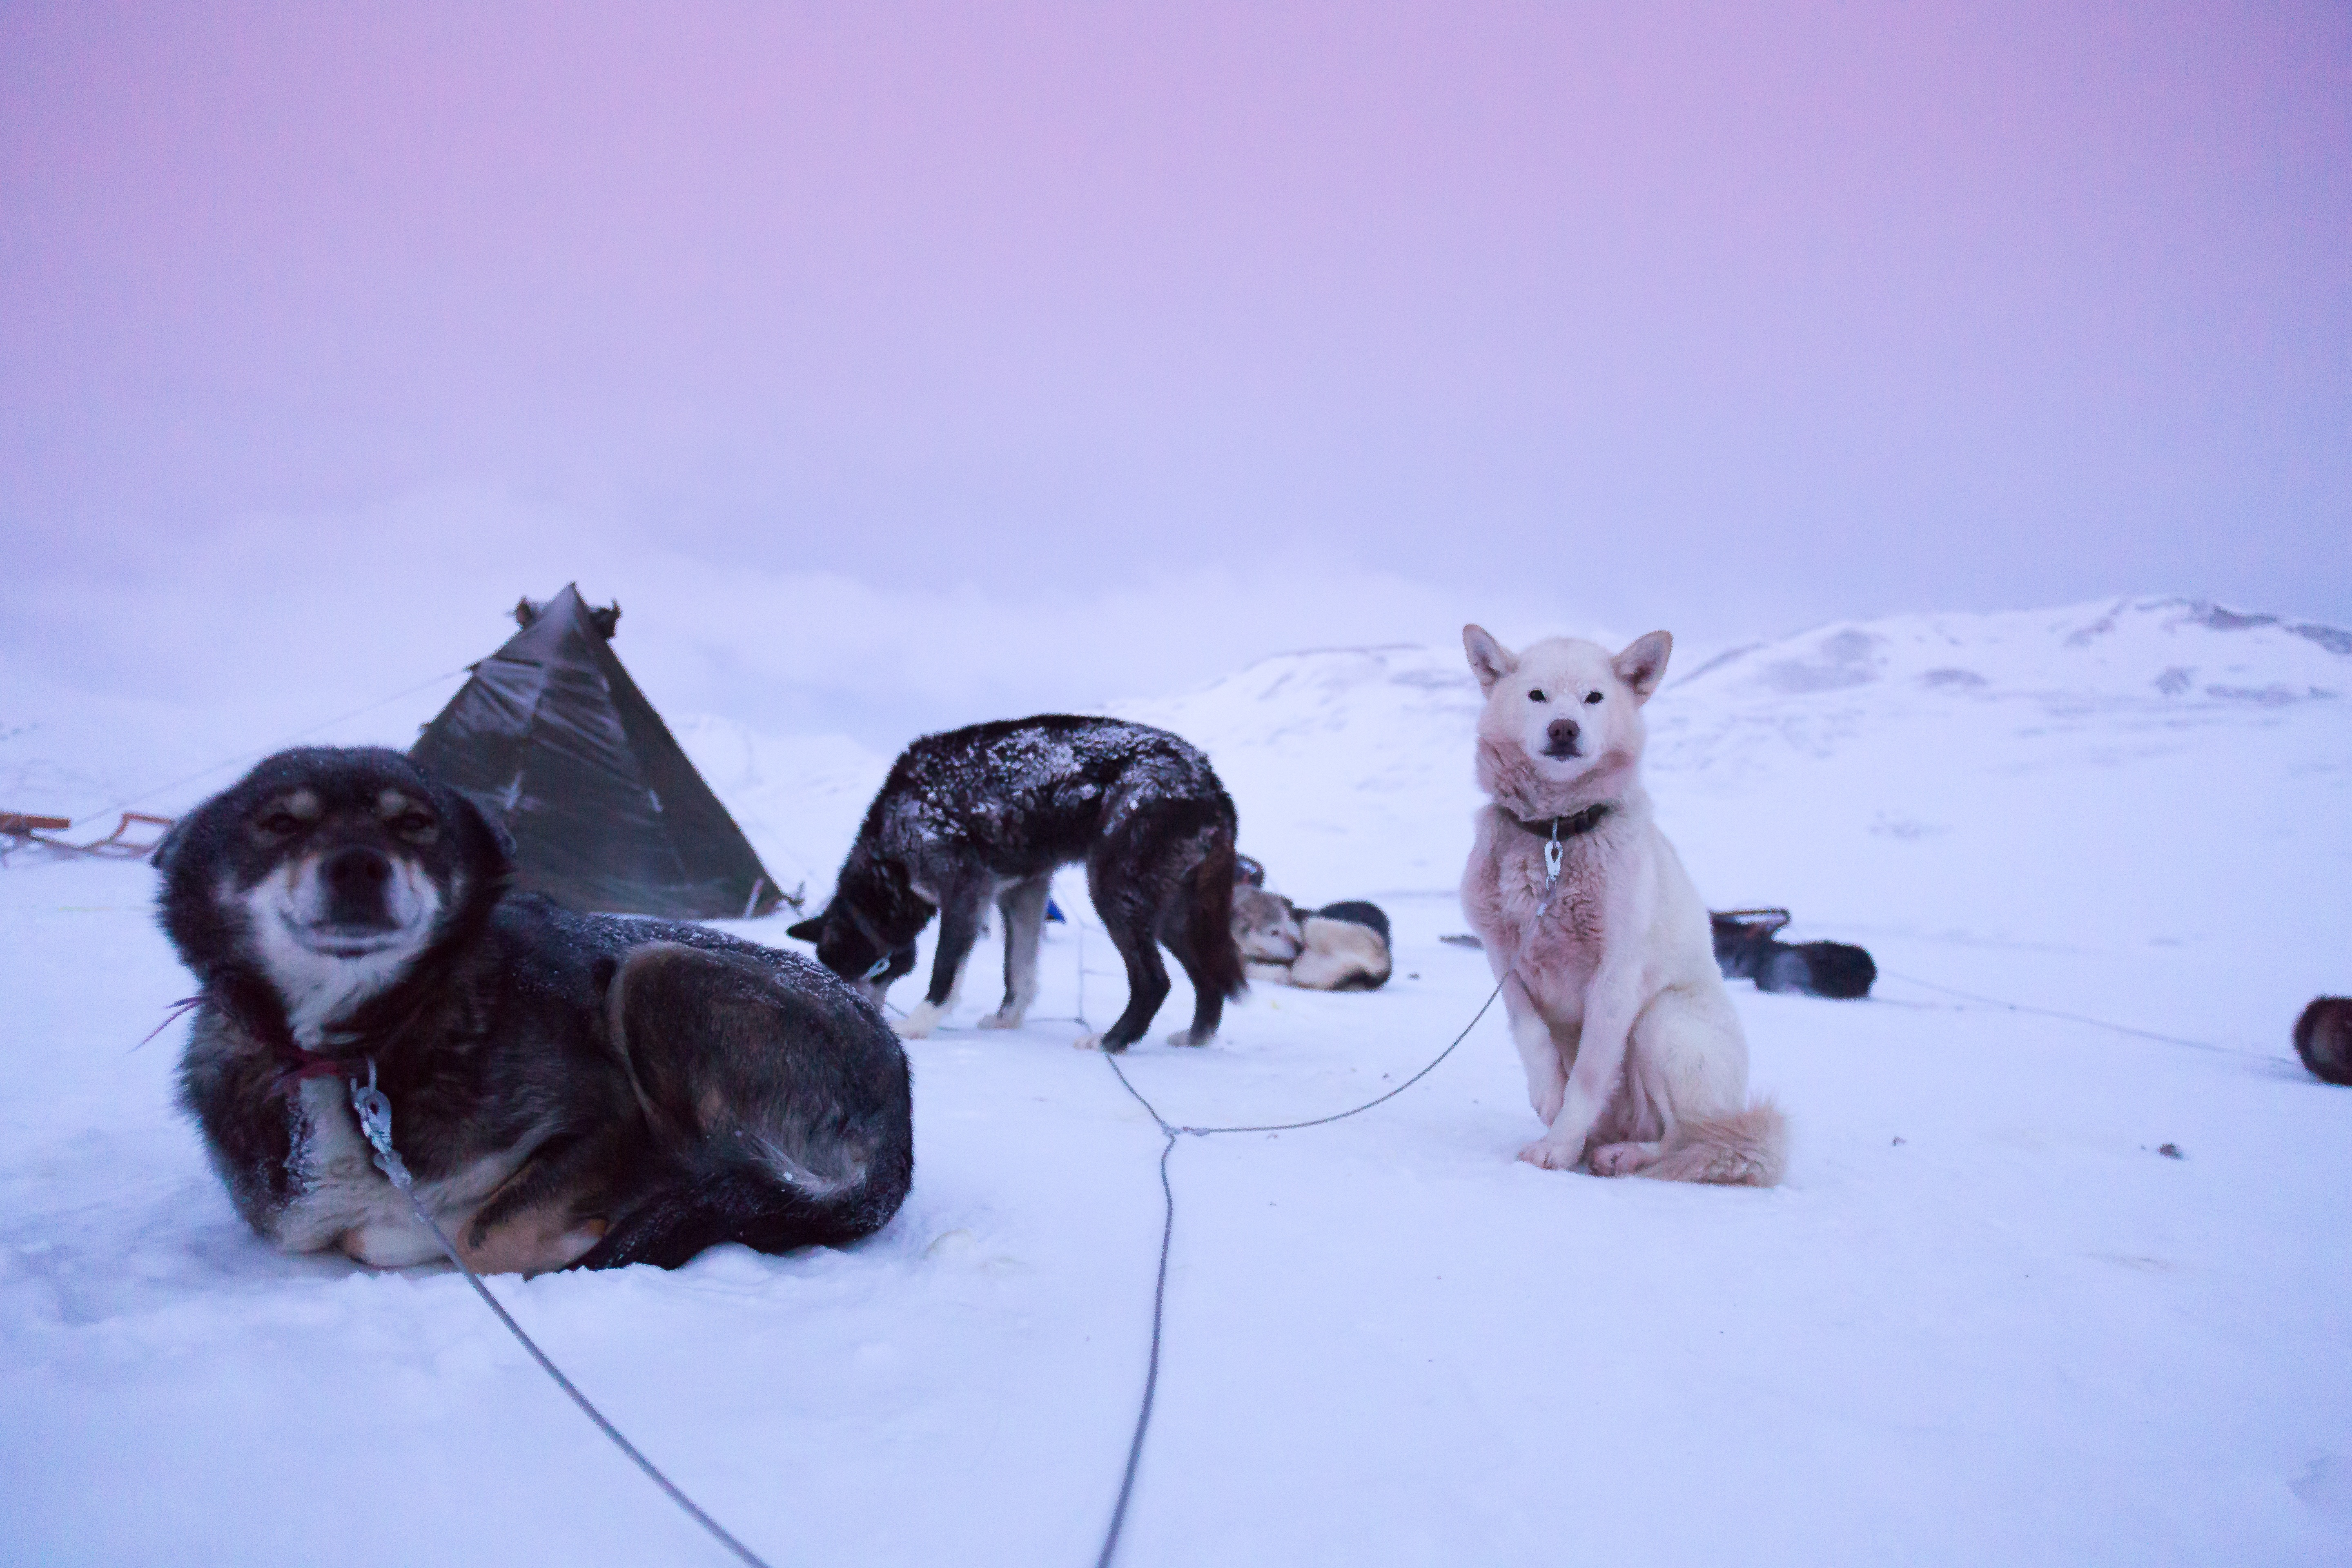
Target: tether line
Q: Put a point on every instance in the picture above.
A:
(2072, 1018)
(375, 1113)
(1553, 851)
(1151, 1369)
(1171, 1132)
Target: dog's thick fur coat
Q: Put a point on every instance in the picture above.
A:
(565, 1089)
(988, 812)
(1634, 1057)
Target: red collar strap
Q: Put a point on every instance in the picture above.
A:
(300, 1064)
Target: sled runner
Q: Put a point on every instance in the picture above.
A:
(128, 841)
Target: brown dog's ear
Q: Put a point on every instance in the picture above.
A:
(1489, 660)
(489, 837)
(1643, 663)
(808, 930)
(167, 848)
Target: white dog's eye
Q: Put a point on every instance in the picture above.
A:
(1592, 696)
(1538, 697)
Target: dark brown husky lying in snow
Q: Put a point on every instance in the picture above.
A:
(565, 1089)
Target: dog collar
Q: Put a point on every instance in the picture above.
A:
(1573, 826)
(296, 1063)
(303, 1065)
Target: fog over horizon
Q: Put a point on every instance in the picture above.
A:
(900, 369)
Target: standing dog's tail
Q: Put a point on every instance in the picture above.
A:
(1209, 918)
(1746, 1149)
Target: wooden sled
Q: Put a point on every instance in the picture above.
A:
(134, 837)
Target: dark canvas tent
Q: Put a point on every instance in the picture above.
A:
(553, 737)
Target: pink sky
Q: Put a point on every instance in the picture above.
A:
(1743, 316)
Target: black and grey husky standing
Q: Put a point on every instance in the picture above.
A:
(565, 1089)
(989, 812)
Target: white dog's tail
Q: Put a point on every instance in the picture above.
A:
(1746, 1149)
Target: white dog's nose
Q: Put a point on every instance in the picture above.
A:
(1560, 738)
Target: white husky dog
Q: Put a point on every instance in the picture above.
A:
(1635, 1060)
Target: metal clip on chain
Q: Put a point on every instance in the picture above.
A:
(1553, 852)
(375, 1112)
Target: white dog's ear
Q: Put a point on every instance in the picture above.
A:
(1489, 660)
(1643, 663)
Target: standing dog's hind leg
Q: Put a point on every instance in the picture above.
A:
(1207, 1003)
(1129, 918)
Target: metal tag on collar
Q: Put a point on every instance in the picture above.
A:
(375, 1112)
(874, 970)
(1553, 850)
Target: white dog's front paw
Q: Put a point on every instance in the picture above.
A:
(1549, 1155)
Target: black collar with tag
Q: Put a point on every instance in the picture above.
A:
(1573, 826)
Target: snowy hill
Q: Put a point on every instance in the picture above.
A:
(1350, 767)
(2101, 853)
(2152, 778)
(2109, 769)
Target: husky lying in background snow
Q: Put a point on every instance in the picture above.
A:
(1635, 1060)
(1339, 947)
(988, 812)
(1746, 949)
(565, 1089)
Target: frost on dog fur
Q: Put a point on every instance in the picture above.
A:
(987, 813)
(1635, 1061)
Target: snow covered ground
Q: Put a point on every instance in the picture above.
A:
(1985, 1321)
